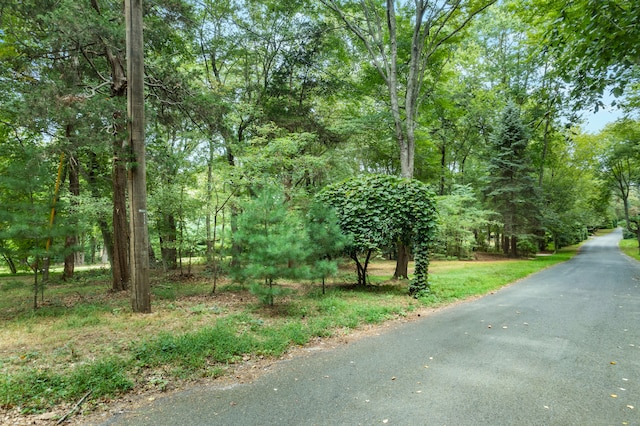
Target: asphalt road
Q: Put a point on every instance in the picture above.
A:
(561, 347)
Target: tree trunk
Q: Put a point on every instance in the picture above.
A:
(10, 263)
(545, 148)
(514, 246)
(402, 264)
(69, 259)
(107, 236)
(625, 202)
(443, 166)
(120, 254)
(168, 250)
(71, 240)
(47, 260)
(140, 288)
(35, 268)
(210, 242)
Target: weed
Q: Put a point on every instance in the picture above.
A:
(164, 292)
(35, 390)
(190, 350)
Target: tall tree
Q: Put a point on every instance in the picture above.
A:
(621, 162)
(511, 188)
(413, 38)
(422, 29)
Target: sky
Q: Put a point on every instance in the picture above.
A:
(595, 122)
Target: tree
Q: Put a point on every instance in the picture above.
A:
(571, 202)
(391, 41)
(460, 222)
(386, 38)
(595, 43)
(376, 211)
(273, 242)
(511, 187)
(27, 182)
(621, 162)
(382, 33)
(73, 79)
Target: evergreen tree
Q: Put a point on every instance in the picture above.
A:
(274, 245)
(511, 186)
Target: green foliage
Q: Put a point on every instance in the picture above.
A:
(459, 217)
(274, 244)
(620, 164)
(377, 210)
(326, 241)
(595, 44)
(511, 187)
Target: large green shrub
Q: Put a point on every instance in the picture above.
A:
(379, 210)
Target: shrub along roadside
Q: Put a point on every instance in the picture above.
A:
(207, 350)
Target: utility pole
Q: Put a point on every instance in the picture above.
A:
(139, 243)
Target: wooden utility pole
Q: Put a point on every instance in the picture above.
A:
(139, 251)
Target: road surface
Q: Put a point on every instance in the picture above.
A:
(561, 347)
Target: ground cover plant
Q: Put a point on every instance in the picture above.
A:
(84, 342)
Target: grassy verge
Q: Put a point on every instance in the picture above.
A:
(630, 248)
(85, 339)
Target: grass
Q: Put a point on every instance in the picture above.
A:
(466, 279)
(630, 248)
(85, 339)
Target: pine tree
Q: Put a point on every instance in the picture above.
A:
(511, 187)
(274, 245)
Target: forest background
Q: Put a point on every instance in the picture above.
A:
(255, 107)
